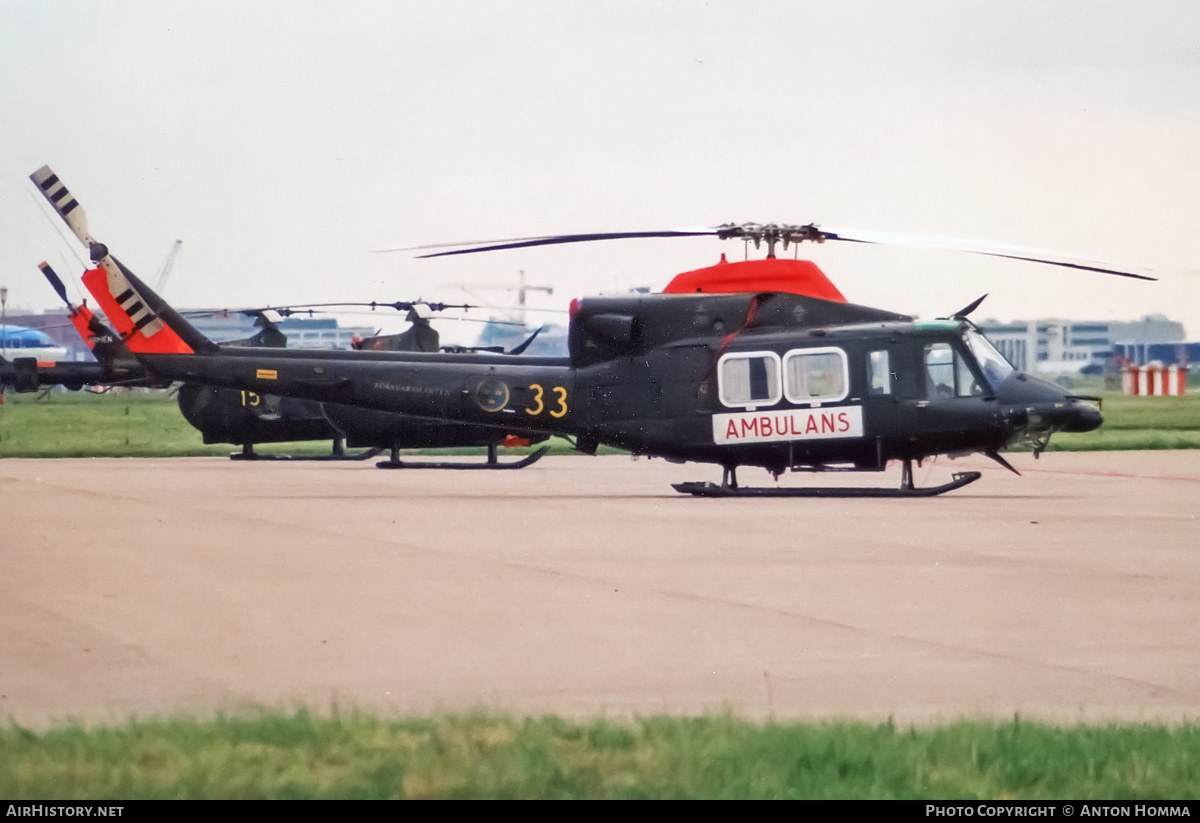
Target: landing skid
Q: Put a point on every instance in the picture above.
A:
(248, 453)
(730, 488)
(492, 462)
(713, 490)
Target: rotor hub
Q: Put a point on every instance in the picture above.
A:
(771, 233)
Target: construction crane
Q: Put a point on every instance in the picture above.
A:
(522, 288)
(167, 265)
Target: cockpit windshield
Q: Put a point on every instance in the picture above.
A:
(994, 366)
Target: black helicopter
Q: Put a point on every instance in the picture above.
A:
(730, 365)
(221, 415)
(247, 418)
(237, 416)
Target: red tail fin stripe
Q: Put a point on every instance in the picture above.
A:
(165, 341)
(81, 319)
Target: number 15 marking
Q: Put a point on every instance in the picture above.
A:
(539, 405)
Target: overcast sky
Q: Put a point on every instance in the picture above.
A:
(282, 141)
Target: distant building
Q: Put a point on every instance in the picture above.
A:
(302, 332)
(1141, 354)
(1053, 345)
(321, 333)
(219, 326)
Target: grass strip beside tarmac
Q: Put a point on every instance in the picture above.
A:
(356, 755)
(1139, 423)
(142, 423)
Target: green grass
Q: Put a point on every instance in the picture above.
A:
(1122, 440)
(142, 423)
(149, 424)
(1139, 423)
(482, 756)
(134, 423)
(1158, 413)
(81, 424)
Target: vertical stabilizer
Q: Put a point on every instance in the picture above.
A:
(64, 203)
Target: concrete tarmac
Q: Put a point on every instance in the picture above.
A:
(586, 586)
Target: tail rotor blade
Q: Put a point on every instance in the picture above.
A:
(56, 282)
(63, 202)
(68, 208)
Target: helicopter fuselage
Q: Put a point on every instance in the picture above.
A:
(735, 364)
(773, 380)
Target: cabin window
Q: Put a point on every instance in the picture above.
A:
(947, 374)
(879, 373)
(750, 379)
(815, 375)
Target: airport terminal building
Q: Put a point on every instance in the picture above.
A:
(1055, 346)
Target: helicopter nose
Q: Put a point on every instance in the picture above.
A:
(1079, 416)
(1035, 405)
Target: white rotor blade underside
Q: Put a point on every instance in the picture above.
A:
(922, 241)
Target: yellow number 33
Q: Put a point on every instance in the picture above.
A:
(539, 406)
(562, 402)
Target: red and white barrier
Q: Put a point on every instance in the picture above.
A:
(1154, 380)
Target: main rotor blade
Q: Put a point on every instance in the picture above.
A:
(551, 240)
(972, 247)
(460, 244)
(289, 309)
(521, 348)
(772, 233)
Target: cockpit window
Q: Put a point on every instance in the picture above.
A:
(947, 374)
(995, 367)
